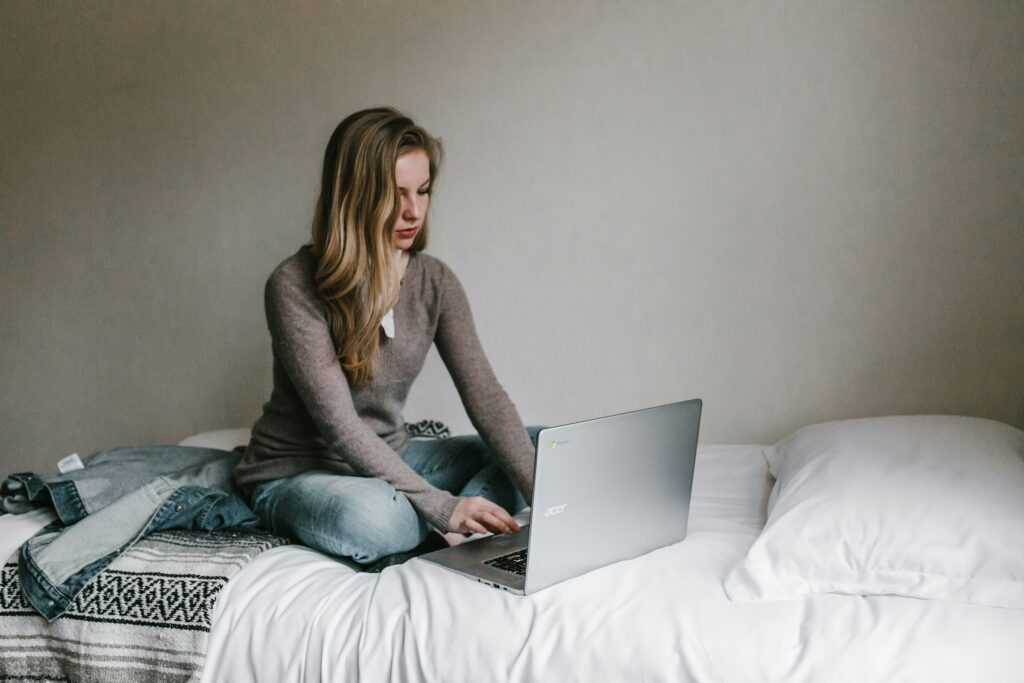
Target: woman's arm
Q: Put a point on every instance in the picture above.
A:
(302, 342)
(489, 408)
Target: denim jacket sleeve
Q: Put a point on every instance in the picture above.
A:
(108, 476)
(107, 517)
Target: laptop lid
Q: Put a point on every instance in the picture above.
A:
(610, 489)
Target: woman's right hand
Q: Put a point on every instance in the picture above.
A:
(479, 515)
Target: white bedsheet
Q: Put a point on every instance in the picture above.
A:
(295, 615)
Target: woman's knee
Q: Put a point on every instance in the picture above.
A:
(356, 517)
(380, 521)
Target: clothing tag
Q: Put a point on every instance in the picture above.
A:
(388, 323)
(70, 464)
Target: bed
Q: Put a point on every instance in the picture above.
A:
(292, 614)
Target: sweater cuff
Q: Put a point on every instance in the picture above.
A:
(441, 513)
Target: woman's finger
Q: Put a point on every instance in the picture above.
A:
(491, 521)
(505, 518)
(475, 526)
(502, 523)
(498, 513)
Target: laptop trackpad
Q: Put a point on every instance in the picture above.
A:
(470, 557)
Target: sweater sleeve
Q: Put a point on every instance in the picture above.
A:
(489, 408)
(302, 341)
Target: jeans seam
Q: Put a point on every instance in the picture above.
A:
(441, 468)
(455, 460)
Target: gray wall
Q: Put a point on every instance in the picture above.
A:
(798, 211)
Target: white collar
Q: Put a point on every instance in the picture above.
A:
(388, 321)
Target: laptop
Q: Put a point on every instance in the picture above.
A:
(605, 490)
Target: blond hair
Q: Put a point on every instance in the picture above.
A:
(355, 215)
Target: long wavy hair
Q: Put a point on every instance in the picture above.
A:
(355, 215)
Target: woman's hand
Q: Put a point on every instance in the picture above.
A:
(479, 515)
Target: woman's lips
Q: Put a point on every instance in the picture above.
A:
(407, 233)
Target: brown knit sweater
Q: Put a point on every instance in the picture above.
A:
(315, 421)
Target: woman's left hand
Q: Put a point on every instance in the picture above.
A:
(478, 515)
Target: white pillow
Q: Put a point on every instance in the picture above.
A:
(924, 506)
(224, 439)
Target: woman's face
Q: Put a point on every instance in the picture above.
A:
(412, 174)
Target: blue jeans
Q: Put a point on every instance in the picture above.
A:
(364, 518)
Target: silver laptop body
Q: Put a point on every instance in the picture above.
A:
(605, 490)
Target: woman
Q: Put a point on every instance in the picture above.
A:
(351, 319)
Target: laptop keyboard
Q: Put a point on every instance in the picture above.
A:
(514, 562)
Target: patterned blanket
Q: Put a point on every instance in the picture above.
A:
(145, 618)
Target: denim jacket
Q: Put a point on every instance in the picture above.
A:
(121, 495)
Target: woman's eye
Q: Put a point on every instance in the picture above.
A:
(427, 191)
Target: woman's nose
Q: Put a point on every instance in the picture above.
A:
(410, 209)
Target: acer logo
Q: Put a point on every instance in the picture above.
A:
(558, 509)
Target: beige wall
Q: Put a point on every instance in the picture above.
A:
(796, 210)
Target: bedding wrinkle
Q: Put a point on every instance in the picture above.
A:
(872, 622)
(519, 659)
(310, 646)
(402, 639)
(796, 652)
(308, 652)
(375, 584)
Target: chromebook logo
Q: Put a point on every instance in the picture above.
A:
(556, 444)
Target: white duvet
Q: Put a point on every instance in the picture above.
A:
(295, 615)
